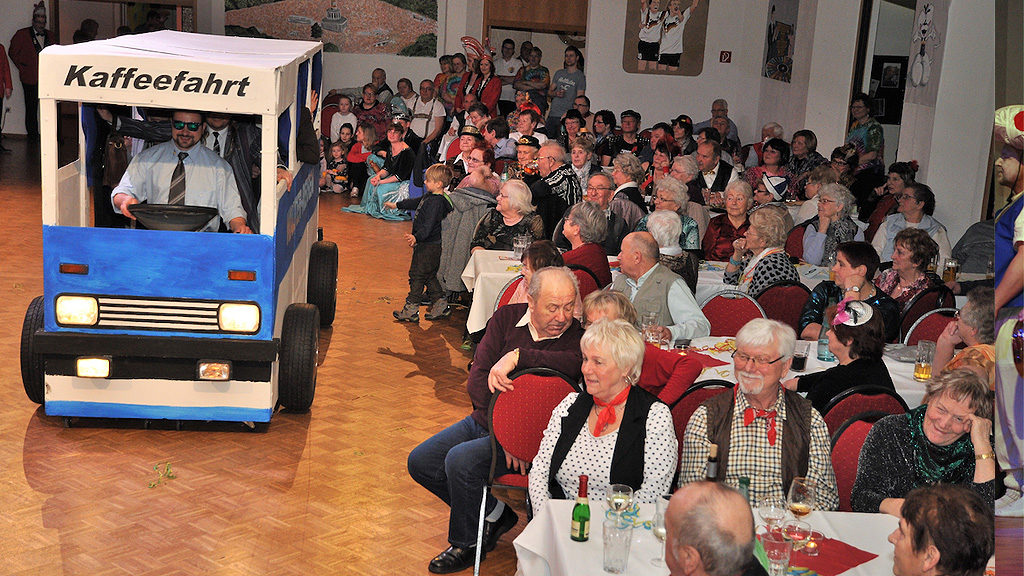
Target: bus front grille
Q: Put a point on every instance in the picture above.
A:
(158, 314)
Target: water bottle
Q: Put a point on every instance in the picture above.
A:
(824, 354)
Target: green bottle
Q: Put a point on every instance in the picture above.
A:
(581, 513)
(745, 487)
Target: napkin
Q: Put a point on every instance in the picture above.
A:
(834, 557)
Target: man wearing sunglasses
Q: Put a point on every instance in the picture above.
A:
(763, 431)
(182, 171)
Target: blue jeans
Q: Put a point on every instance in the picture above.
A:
(453, 464)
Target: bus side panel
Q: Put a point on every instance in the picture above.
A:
(158, 264)
(296, 218)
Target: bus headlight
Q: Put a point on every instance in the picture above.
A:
(77, 310)
(234, 317)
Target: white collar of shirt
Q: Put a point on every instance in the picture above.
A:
(639, 281)
(671, 250)
(626, 185)
(222, 137)
(525, 321)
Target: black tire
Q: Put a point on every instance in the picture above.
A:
(296, 381)
(32, 364)
(322, 280)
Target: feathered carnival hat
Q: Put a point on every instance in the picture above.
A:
(476, 50)
(39, 10)
(851, 312)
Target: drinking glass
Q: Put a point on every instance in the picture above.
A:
(802, 496)
(648, 319)
(800, 356)
(772, 511)
(616, 536)
(658, 529)
(619, 498)
(797, 531)
(519, 244)
(778, 550)
(923, 364)
(950, 269)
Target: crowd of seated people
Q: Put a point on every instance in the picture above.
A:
(658, 198)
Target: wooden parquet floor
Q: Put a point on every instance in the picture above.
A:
(321, 493)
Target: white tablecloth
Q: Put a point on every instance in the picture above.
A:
(902, 373)
(710, 278)
(485, 275)
(544, 547)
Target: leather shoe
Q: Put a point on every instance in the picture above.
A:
(454, 559)
(494, 530)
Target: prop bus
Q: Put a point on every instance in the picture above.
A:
(180, 325)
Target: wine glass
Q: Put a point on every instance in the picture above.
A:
(658, 528)
(772, 511)
(619, 498)
(802, 496)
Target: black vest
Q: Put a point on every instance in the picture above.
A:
(722, 175)
(628, 457)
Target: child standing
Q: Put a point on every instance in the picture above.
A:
(425, 240)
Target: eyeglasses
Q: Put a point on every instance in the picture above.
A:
(826, 201)
(192, 126)
(903, 197)
(593, 188)
(759, 361)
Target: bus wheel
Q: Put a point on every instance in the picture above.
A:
(32, 363)
(296, 382)
(322, 283)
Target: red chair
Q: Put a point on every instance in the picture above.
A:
(326, 115)
(930, 326)
(858, 399)
(795, 242)
(517, 421)
(691, 399)
(730, 310)
(930, 299)
(666, 374)
(784, 302)
(846, 445)
(585, 278)
(506, 293)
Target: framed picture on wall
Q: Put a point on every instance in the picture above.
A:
(888, 86)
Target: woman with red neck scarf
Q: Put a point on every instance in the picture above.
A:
(614, 421)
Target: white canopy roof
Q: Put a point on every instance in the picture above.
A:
(168, 68)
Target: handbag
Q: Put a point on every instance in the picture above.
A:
(115, 159)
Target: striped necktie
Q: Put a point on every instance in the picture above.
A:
(216, 143)
(177, 193)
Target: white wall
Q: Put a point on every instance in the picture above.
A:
(890, 36)
(952, 145)
(782, 102)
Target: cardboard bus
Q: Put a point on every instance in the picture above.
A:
(161, 323)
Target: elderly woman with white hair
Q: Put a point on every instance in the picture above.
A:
(513, 216)
(725, 229)
(670, 195)
(615, 432)
(831, 227)
(628, 173)
(666, 227)
(685, 170)
(759, 259)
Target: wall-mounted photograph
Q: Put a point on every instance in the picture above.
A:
(402, 27)
(665, 37)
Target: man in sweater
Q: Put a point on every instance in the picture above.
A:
(653, 288)
(454, 463)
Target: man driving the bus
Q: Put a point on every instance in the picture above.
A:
(182, 171)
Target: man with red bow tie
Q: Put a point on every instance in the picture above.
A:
(763, 431)
(26, 44)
